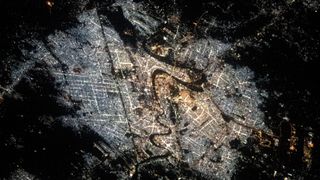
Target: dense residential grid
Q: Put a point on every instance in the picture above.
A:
(154, 109)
